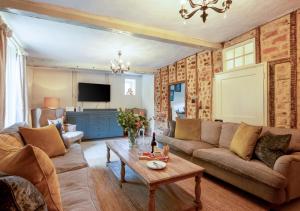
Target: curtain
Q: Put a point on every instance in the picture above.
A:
(16, 99)
(2, 71)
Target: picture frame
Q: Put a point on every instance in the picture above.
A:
(177, 87)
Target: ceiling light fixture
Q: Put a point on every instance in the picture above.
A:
(118, 66)
(203, 6)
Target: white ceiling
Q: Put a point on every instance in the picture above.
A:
(68, 45)
(54, 43)
(243, 15)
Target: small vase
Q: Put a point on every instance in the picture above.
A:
(132, 139)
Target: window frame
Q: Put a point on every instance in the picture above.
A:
(233, 47)
(134, 82)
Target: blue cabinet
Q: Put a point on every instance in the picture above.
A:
(96, 123)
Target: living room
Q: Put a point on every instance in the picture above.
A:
(149, 105)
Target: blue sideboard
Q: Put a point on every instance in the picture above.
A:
(96, 123)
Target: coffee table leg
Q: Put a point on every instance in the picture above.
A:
(107, 155)
(122, 173)
(198, 192)
(151, 202)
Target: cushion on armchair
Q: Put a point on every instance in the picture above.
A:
(18, 193)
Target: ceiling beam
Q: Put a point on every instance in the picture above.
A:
(72, 16)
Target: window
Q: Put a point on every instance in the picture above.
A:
(16, 106)
(130, 87)
(239, 55)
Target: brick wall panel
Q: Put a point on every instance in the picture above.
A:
(181, 70)
(275, 39)
(246, 36)
(217, 61)
(191, 84)
(172, 73)
(298, 69)
(204, 68)
(283, 95)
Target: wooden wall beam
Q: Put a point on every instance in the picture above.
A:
(76, 17)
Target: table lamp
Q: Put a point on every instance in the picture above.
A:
(51, 102)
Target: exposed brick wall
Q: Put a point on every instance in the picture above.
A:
(298, 69)
(283, 95)
(275, 39)
(204, 68)
(181, 70)
(191, 86)
(172, 73)
(274, 45)
(217, 61)
(246, 36)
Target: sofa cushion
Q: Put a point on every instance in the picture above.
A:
(34, 165)
(185, 146)
(77, 193)
(270, 147)
(227, 132)
(254, 169)
(73, 159)
(295, 139)
(6, 139)
(46, 138)
(71, 137)
(188, 129)
(210, 132)
(13, 130)
(18, 193)
(244, 140)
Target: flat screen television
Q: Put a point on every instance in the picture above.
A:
(93, 92)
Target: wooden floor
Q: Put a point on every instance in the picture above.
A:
(216, 195)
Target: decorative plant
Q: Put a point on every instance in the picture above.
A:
(131, 122)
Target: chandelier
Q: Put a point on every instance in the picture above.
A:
(118, 65)
(203, 5)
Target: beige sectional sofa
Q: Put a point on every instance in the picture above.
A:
(75, 177)
(277, 185)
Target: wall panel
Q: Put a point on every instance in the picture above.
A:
(181, 70)
(191, 85)
(172, 73)
(204, 68)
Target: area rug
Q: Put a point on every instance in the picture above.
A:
(215, 194)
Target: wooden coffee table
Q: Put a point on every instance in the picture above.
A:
(177, 169)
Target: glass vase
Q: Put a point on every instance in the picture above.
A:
(132, 139)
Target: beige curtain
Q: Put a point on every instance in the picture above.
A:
(3, 43)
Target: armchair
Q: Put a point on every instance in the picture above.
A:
(40, 118)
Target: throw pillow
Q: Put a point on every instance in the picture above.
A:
(34, 165)
(10, 140)
(46, 138)
(270, 147)
(18, 193)
(244, 140)
(13, 130)
(188, 129)
(171, 126)
(57, 121)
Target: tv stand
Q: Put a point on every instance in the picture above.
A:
(96, 123)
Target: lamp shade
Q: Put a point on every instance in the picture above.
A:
(51, 102)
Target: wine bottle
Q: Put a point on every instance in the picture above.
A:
(153, 143)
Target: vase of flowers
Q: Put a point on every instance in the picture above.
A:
(131, 123)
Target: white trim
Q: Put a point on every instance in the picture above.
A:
(252, 40)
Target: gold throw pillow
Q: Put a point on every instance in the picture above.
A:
(244, 140)
(188, 129)
(46, 138)
(34, 165)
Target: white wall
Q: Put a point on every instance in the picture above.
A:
(63, 84)
(148, 98)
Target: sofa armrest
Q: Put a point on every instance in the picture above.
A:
(289, 166)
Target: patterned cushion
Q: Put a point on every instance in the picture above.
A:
(18, 193)
(270, 147)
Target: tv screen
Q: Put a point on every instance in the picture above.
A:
(93, 92)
